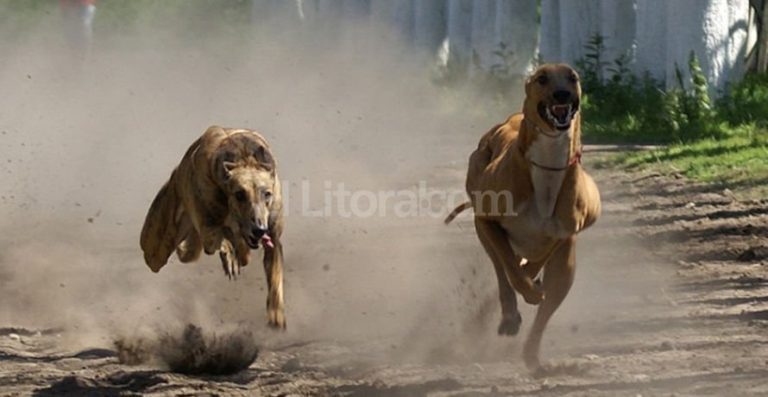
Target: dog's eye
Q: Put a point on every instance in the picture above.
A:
(241, 196)
(573, 78)
(542, 79)
(268, 195)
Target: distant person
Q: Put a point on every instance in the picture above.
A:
(78, 24)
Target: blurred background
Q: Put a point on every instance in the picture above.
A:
(625, 49)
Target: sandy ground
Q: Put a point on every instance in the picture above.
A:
(669, 300)
(670, 295)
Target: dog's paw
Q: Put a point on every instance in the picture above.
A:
(510, 325)
(276, 319)
(230, 264)
(531, 359)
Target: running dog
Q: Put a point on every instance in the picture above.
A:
(531, 197)
(224, 196)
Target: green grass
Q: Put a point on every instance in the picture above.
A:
(738, 162)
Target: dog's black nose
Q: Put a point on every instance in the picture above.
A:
(258, 231)
(562, 96)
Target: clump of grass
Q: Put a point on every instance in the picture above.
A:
(746, 101)
(738, 161)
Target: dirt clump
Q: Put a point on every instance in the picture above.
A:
(192, 351)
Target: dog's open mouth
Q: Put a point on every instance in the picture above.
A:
(560, 116)
(264, 240)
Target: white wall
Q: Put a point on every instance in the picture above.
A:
(430, 24)
(460, 30)
(657, 34)
(618, 27)
(516, 26)
(651, 38)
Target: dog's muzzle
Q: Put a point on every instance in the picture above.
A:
(258, 236)
(560, 113)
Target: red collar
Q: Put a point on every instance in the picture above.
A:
(576, 159)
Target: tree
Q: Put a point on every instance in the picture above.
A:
(757, 61)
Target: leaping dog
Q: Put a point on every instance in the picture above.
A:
(224, 196)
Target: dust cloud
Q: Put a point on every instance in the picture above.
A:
(88, 139)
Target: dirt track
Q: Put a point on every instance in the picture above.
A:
(670, 295)
(670, 299)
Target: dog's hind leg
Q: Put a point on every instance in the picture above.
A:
(273, 267)
(189, 246)
(159, 233)
(558, 278)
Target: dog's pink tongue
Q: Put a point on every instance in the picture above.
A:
(560, 110)
(267, 241)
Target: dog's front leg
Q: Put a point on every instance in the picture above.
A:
(494, 240)
(242, 251)
(558, 278)
(510, 316)
(234, 253)
(228, 259)
(273, 267)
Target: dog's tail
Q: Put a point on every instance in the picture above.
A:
(456, 211)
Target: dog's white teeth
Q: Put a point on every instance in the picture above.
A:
(550, 116)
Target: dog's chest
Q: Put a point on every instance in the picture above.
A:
(553, 153)
(530, 234)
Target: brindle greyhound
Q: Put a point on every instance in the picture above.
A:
(224, 196)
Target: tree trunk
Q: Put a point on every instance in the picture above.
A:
(762, 38)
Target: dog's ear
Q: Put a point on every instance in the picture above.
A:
(223, 165)
(264, 157)
(529, 82)
(227, 167)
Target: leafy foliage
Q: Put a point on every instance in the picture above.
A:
(618, 106)
(746, 101)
